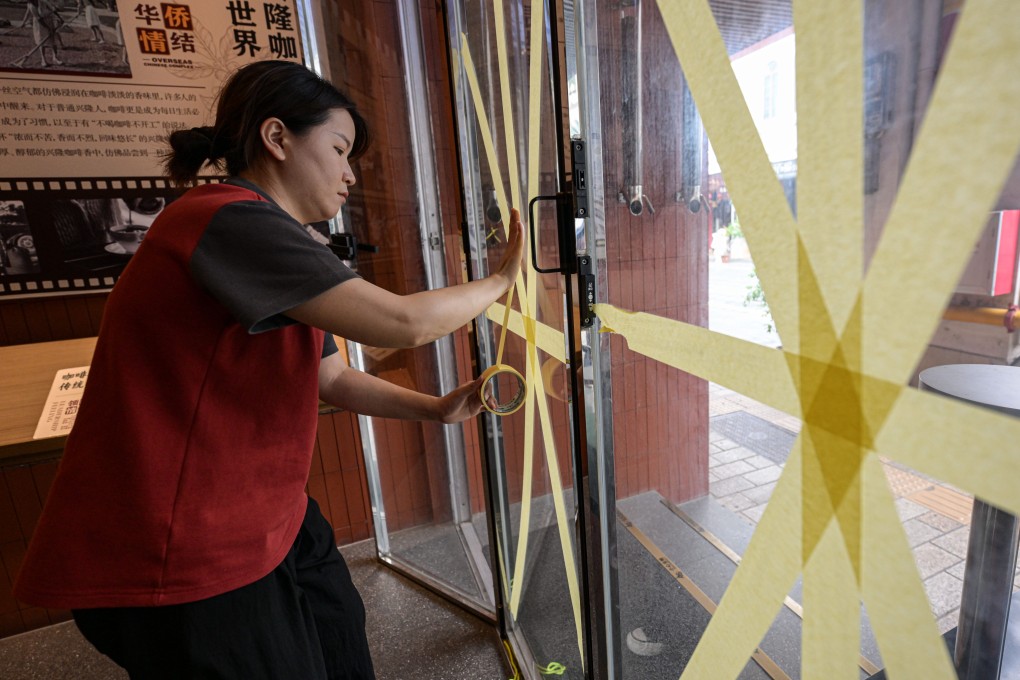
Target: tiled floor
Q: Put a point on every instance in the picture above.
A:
(935, 516)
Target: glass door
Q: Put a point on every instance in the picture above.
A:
(515, 154)
(774, 266)
(729, 472)
(425, 481)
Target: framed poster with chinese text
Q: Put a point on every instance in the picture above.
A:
(89, 91)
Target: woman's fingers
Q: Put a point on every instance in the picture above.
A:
(513, 257)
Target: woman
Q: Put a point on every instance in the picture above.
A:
(177, 529)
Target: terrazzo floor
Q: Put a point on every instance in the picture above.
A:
(413, 634)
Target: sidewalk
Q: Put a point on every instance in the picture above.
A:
(744, 436)
(749, 441)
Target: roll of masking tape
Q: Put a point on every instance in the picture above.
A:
(508, 398)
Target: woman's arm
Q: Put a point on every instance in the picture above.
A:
(359, 392)
(365, 313)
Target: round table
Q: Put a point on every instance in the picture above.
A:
(994, 533)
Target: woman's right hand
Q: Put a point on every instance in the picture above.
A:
(513, 258)
(362, 312)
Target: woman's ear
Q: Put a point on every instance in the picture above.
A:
(272, 131)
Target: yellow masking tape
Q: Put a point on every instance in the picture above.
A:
(759, 586)
(562, 516)
(761, 373)
(487, 145)
(510, 139)
(950, 185)
(831, 487)
(830, 643)
(485, 132)
(908, 637)
(535, 83)
(830, 155)
(865, 663)
(506, 318)
(527, 327)
(492, 313)
(506, 406)
(846, 354)
(527, 481)
(548, 339)
(563, 519)
(849, 348)
(971, 447)
(536, 388)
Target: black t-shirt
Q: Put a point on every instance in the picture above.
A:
(258, 262)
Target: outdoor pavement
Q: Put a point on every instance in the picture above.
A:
(748, 442)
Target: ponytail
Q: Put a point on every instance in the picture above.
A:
(190, 150)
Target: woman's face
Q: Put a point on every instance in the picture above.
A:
(317, 169)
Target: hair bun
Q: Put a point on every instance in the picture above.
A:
(202, 138)
(190, 150)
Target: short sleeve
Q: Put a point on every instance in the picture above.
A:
(258, 262)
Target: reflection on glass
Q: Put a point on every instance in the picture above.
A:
(510, 128)
(766, 73)
(699, 466)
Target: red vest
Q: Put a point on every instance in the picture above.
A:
(184, 475)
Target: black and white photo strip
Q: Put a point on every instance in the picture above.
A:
(59, 236)
(62, 36)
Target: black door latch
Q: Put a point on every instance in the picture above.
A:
(346, 247)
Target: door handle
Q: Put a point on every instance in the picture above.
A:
(564, 233)
(570, 204)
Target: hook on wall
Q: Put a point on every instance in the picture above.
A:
(635, 199)
(694, 202)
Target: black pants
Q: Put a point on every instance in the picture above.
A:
(304, 621)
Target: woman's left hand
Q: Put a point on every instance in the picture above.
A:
(462, 403)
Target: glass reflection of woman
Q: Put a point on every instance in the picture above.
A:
(45, 24)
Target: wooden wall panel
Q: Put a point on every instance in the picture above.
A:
(337, 478)
(23, 490)
(52, 318)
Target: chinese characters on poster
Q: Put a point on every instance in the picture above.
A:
(89, 90)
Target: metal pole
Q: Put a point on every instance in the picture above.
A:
(987, 591)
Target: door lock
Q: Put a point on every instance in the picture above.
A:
(586, 290)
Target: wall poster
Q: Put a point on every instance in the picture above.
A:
(89, 90)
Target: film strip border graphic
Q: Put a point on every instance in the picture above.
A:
(93, 184)
(47, 274)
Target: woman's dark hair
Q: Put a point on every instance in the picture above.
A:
(261, 90)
